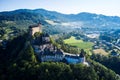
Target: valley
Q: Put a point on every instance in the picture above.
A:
(54, 49)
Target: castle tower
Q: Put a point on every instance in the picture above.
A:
(82, 56)
(35, 28)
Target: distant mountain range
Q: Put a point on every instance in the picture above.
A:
(22, 18)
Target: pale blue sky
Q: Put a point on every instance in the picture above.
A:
(107, 7)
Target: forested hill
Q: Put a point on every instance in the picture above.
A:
(22, 18)
(84, 16)
(19, 18)
(19, 62)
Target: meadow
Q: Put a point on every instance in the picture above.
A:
(100, 51)
(78, 43)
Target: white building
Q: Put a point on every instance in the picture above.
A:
(56, 56)
(74, 59)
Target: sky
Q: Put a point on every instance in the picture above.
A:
(106, 7)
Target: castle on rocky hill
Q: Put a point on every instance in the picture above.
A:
(46, 51)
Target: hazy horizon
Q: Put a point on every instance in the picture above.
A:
(105, 7)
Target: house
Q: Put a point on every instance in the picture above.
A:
(114, 53)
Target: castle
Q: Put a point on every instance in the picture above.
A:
(46, 51)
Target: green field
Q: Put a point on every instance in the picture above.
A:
(78, 43)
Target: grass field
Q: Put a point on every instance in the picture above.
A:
(100, 51)
(78, 43)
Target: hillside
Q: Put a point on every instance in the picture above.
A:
(21, 63)
(22, 18)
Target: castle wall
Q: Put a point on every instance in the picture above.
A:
(72, 60)
(51, 58)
